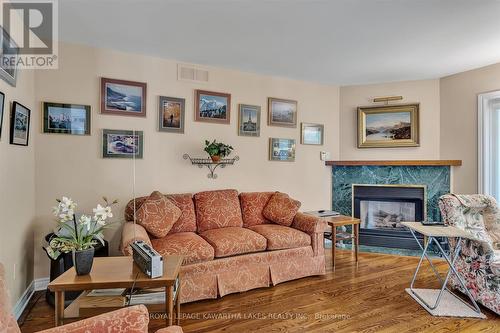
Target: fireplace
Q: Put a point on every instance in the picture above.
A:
(381, 209)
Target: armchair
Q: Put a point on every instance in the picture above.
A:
(479, 260)
(134, 319)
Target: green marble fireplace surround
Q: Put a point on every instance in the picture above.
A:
(436, 179)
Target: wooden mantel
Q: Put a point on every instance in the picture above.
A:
(398, 163)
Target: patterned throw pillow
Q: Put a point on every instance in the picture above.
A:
(281, 209)
(158, 214)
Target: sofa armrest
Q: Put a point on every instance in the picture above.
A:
(308, 223)
(170, 329)
(314, 227)
(134, 319)
(128, 236)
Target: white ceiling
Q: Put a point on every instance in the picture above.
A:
(336, 42)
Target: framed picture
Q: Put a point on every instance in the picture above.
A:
(282, 112)
(66, 118)
(212, 107)
(281, 149)
(8, 58)
(311, 134)
(171, 114)
(124, 98)
(20, 124)
(249, 120)
(122, 143)
(2, 100)
(388, 126)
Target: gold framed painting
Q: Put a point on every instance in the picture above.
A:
(388, 126)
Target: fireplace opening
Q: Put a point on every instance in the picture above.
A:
(382, 208)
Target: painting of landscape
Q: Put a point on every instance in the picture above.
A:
(120, 97)
(282, 112)
(213, 107)
(388, 126)
(123, 97)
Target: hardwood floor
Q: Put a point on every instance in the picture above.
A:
(367, 298)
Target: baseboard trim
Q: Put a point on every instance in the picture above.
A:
(35, 285)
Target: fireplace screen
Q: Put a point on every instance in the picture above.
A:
(386, 215)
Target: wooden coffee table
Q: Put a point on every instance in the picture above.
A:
(120, 272)
(339, 221)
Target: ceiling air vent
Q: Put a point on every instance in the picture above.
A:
(191, 73)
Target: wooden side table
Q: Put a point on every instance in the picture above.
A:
(121, 272)
(339, 221)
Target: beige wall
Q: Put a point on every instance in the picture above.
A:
(426, 92)
(17, 195)
(71, 165)
(459, 121)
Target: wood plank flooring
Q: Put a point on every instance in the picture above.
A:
(367, 298)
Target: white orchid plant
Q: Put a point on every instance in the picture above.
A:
(78, 233)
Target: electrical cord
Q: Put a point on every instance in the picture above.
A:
(132, 289)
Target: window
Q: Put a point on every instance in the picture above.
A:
(489, 143)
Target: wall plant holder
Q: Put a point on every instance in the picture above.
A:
(207, 162)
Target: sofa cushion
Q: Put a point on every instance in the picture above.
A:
(231, 241)
(252, 205)
(158, 214)
(281, 209)
(194, 248)
(217, 209)
(187, 220)
(280, 237)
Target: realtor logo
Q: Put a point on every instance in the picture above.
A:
(31, 32)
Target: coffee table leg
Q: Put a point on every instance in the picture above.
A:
(59, 309)
(334, 241)
(170, 304)
(356, 240)
(178, 305)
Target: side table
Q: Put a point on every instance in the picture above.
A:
(425, 296)
(339, 221)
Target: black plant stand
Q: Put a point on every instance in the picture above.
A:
(65, 262)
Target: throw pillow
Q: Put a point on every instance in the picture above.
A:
(281, 209)
(158, 214)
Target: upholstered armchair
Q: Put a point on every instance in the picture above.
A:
(479, 260)
(134, 319)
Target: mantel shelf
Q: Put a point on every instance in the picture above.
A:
(397, 163)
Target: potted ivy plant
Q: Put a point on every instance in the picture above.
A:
(217, 150)
(78, 235)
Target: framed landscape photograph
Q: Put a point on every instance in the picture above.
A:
(312, 134)
(2, 100)
(20, 124)
(388, 126)
(282, 112)
(281, 149)
(8, 58)
(249, 120)
(124, 98)
(171, 114)
(122, 143)
(66, 118)
(212, 107)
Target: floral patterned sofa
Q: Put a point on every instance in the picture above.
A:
(132, 319)
(227, 239)
(479, 260)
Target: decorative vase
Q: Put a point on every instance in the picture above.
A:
(215, 158)
(83, 261)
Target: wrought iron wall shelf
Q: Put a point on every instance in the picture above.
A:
(201, 162)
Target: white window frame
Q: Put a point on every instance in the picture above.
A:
(485, 102)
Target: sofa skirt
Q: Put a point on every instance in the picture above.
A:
(219, 277)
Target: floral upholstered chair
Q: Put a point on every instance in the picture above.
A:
(479, 260)
(132, 319)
